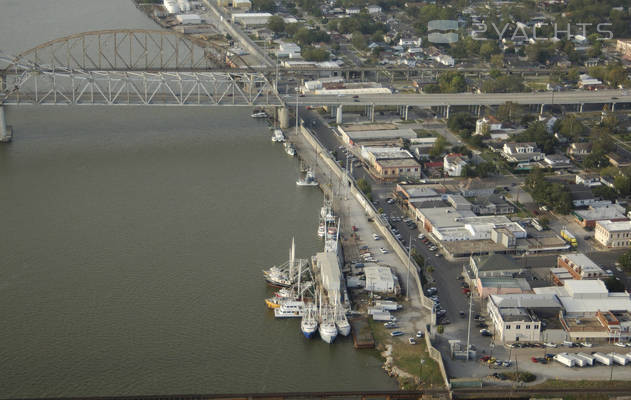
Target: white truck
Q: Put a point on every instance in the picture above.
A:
(388, 305)
(603, 358)
(565, 360)
(381, 316)
(578, 361)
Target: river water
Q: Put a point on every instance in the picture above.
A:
(132, 240)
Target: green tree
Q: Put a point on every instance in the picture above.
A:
(364, 186)
(276, 24)
(507, 112)
(497, 60)
(263, 5)
(489, 48)
(311, 53)
(570, 127)
(625, 261)
(359, 41)
(614, 285)
(439, 147)
(452, 82)
(462, 123)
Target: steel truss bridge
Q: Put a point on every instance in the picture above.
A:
(131, 67)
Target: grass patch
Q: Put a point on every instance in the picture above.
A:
(593, 386)
(521, 376)
(408, 358)
(424, 133)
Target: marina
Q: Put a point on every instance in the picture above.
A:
(313, 290)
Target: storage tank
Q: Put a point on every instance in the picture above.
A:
(589, 360)
(565, 360)
(603, 358)
(619, 358)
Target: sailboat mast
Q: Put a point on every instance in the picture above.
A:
(291, 259)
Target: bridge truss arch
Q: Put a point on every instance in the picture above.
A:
(126, 50)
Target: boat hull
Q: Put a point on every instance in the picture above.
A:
(344, 330)
(271, 304)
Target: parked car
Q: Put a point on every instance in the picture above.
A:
(485, 332)
(412, 340)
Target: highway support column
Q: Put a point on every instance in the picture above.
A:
(5, 131)
(282, 113)
(338, 115)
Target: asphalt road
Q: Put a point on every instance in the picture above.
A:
(463, 99)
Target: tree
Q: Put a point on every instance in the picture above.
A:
(264, 5)
(364, 186)
(489, 48)
(506, 111)
(497, 60)
(622, 184)
(311, 53)
(614, 285)
(359, 41)
(570, 127)
(439, 146)
(625, 261)
(452, 82)
(276, 24)
(462, 123)
(503, 84)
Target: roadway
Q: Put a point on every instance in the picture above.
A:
(468, 99)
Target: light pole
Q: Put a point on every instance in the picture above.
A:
(407, 284)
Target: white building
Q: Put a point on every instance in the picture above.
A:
(580, 266)
(374, 9)
(445, 59)
(556, 160)
(352, 11)
(243, 4)
(288, 50)
(613, 234)
(410, 42)
(329, 267)
(249, 19)
(487, 124)
(515, 316)
(522, 152)
(188, 19)
(453, 164)
(380, 279)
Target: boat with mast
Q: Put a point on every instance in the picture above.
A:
(341, 322)
(327, 328)
(308, 180)
(284, 275)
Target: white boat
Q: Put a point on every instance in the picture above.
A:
(328, 330)
(341, 322)
(309, 180)
(289, 309)
(278, 136)
(309, 323)
(277, 277)
(290, 149)
(326, 212)
(260, 114)
(321, 230)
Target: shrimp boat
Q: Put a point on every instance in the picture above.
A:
(341, 322)
(308, 180)
(327, 328)
(309, 323)
(290, 149)
(289, 309)
(278, 136)
(283, 276)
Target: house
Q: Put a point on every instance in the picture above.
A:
(589, 180)
(410, 42)
(486, 125)
(580, 149)
(521, 153)
(352, 11)
(388, 163)
(624, 47)
(445, 59)
(476, 187)
(453, 164)
(588, 83)
(242, 4)
(581, 195)
(373, 9)
(613, 234)
(493, 205)
(556, 160)
(249, 19)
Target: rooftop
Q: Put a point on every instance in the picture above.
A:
(619, 226)
(495, 262)
(600, 213)
(581, 260)
(380, 134)
(399, 163)
(526, 301)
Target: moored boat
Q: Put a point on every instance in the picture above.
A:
(260, 114)
(309, 323)
(309, 180)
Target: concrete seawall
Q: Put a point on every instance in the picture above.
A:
(387, 235)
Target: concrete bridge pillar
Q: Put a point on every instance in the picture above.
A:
(447, 111)
(5, 131)
(338, 116)
(613, 107)
(405, 113)
(372, 112)
(541, 109)
(282, 113)
(581, 109)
